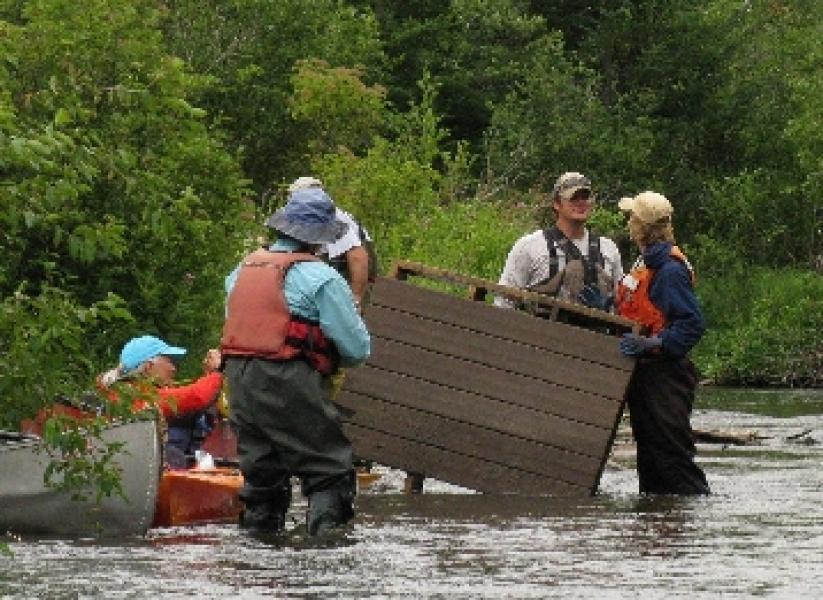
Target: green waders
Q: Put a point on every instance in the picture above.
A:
(286, 425)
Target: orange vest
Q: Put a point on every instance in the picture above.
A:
(259, 323)
(633, 300)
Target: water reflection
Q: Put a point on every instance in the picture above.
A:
(759, 534)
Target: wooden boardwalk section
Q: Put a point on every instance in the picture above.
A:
(490, 399)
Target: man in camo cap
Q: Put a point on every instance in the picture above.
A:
(565, 259)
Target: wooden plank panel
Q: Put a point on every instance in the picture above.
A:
(487, 398)
(491, 382)
(481, 317)
(484, 476)
(369, 384)
(469, 440)
(503, 354)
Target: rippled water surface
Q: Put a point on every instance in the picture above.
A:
(759, 535)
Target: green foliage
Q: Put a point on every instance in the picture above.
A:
(249, 49)
(335, 108)
(555, 122)
(45, 341)
(608, 222)
(763, 329)
(396, 185)
(747, 215)
(112, 182)
(467, 237)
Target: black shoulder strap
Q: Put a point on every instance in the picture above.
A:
(595, 258)
(594, 249)
(370, 250)
(553, 237)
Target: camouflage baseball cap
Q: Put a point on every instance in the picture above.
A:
(568, 183)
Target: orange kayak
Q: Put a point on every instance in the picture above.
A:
(195, 496)
(192, 496)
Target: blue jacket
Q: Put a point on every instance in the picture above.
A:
(672, 292)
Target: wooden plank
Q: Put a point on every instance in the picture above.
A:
(468, 439)
(511, 324)
(487, 398)
(474, 473)
(491, 382)
(369, 384)
(507, 355)
(403, 269)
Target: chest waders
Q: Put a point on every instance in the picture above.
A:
(577, 272)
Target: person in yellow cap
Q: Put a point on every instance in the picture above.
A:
(658, 293)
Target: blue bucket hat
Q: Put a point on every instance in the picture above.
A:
(309, 216)
(140, 349)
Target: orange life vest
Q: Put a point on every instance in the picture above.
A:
(259, 323)
(633, 300)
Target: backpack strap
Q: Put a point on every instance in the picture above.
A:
(595, 258)
(370, 250)
(553, 238)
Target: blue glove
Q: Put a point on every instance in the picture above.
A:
(592, 297)
(637, 345)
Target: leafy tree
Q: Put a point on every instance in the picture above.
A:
(112, 183)
(771, 102)
(473, 50)
(44, 341)
(555, 121)
(249, 49)
(335, 108)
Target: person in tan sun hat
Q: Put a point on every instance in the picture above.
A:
(565, 259)
(659, 294)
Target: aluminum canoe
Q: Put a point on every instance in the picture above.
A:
(27, 506)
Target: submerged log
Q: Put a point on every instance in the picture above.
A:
(735, 438)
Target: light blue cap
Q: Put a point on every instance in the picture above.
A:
(140, 349)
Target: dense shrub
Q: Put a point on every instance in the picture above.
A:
(763, 329)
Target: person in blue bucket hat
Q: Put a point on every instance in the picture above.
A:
(148, 362)
(291, 322)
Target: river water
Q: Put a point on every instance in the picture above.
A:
(759, 535)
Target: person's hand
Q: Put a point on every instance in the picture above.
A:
(110, 377)
(592, 297)
(212, 360)
(637, 345)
